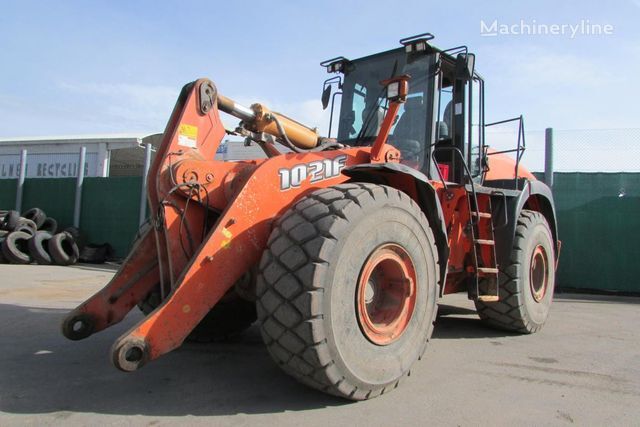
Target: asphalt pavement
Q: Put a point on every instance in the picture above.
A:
(583, 368)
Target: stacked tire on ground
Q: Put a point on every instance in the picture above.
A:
(34, 237)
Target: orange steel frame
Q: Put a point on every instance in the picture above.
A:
(185, 184)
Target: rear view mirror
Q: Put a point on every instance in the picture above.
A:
(326, 95)
(465, 65)
(471, 64)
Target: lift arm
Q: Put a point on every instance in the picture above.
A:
(196, 261)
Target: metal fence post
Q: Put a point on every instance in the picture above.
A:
(143, 190)
(548, 156)
(79, 181)
(21, 175)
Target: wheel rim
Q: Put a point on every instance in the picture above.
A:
(539, 273)
(386, 294)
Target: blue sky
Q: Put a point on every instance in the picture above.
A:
(87, 67)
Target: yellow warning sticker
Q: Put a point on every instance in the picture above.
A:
(188, 135)
(225, 244)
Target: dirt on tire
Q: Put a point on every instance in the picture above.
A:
(306, 287)
(517, 310)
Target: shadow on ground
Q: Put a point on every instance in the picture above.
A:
(456, 322)
(596, 298)
(107, 267)
(41, 372)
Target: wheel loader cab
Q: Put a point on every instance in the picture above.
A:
(460, 121)
(441, 119)
(364, 104)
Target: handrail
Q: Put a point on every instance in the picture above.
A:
(424, 36)
(521, 145)
(505, 214)
(503, 121)
(333, 99)
(332, 80)
(332, 60)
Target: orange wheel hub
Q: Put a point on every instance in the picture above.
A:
(539, 273)
(386, 294)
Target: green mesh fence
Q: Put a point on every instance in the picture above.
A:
(599, 224)
(55, 196)
(8, 194)
(110, 211)
(598, 221)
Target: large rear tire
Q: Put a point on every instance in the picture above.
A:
(527, 282)
(347, 289)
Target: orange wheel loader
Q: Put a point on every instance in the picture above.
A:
(340, 247)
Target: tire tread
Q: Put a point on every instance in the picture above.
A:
(509, 312)
(294, 336)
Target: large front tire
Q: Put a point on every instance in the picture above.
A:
(527, 282)
(347, 289)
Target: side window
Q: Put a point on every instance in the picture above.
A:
(445, 115)
(359, 96)
(475, 127)
(408, 132)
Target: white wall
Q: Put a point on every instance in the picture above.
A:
(48, 165)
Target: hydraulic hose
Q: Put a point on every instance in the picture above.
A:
(325, 143)
(258, 118)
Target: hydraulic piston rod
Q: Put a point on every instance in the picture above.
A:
(258, 118)
(229, 106)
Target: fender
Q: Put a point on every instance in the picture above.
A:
(534, 195)
(418, 186)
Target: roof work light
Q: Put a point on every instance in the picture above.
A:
(417, 43)
(336, 65)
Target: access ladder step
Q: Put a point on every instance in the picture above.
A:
(488, 298)
(488, 270)
(484, 242)
(481, 214)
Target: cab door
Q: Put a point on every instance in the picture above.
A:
(460, 128)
